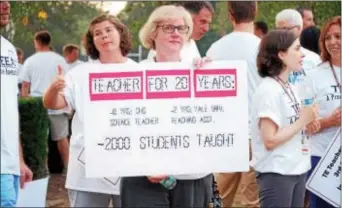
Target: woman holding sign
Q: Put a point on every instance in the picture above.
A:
(166, 31)
(281, 157)
(108, 41)
(325, 83)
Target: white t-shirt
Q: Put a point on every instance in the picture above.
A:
(181, 177)
(239, 46)
(188, 53)
(310, 61)
(328, 97)
(76, 170)
(20, 73)
(292, 157)
(40, 70)
(75, 63)
(9, 109)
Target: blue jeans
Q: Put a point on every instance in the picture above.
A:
(316, 201)
(9, 190)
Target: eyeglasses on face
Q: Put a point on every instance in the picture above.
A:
(289, 28)
(182, 29)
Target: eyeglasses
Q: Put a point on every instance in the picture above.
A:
(182, 29)
(289, 28)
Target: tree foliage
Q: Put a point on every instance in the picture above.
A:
(136, 13)
(67, 21)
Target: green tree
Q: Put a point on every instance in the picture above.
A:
(67, 21)
(136, 13)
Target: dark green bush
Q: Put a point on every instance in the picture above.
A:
(34, 124)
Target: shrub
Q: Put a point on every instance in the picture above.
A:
(34, 126)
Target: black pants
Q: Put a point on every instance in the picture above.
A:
(276, 190)
(139, 192)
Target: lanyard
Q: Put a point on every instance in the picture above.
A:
(335, 77)
(292, 97)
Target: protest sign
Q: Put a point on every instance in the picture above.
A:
(166, 118)
(325, 179)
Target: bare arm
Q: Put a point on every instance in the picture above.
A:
(272, 137)
(26, 174)
(25, 89)
(333, 120)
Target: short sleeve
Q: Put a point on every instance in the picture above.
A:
(195, 49)
(151, 54)
(26, 73)
(210, 52)
(69, 90)
(268, 106)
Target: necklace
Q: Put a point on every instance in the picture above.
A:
(291, 96)
(335, 76)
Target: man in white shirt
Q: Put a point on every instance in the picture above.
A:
(201, 12)
(71, 54)
(291, 19)
(241, 44)
(40, 71)
(13, 167)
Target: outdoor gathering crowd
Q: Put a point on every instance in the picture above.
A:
(294, 95)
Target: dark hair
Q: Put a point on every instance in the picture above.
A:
(302, 9)
(325, 56)
(125, 36)
(268, 62)
(261, 25)
(242, 11)
(309, 38)
(194, 7)
(68, 48)
(43, 37)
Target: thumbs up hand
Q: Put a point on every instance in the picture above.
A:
(59, 83)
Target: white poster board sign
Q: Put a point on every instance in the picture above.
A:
(33, 194)
(166, 118)
(325, 179)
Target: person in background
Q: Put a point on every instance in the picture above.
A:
(20, 54)
(309, 39)
(39, 72)
(307, 16)
(281, 154)
(260, 29)
(291, 20)
(71, 54)
(166, 31)
(325, 84)
(202, 13)
(233, 47)
(14, 171)
(108, 41)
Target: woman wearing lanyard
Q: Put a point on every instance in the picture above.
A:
(166, 31)
(325, 83)
(281, 156)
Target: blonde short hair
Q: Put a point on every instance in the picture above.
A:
(147, 33)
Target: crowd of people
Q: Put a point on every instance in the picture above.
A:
(290, 127)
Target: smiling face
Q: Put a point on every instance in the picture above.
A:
(293, 57)
(106, 37)
(168, 40)
(332, 41)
